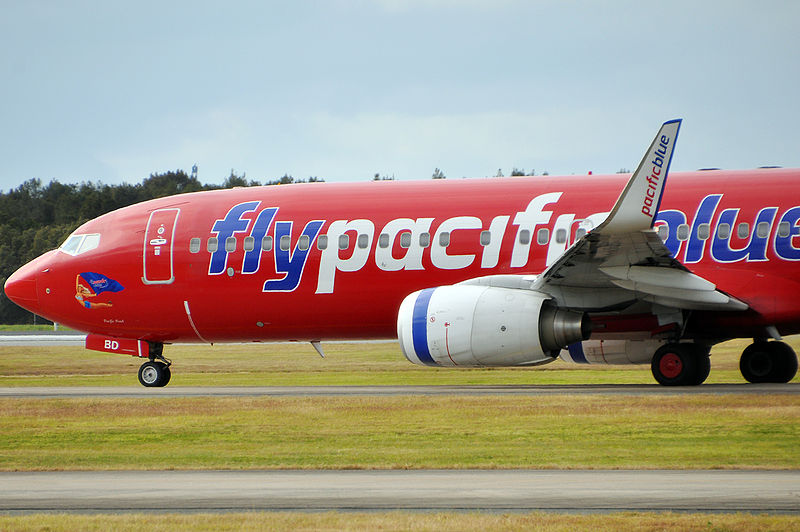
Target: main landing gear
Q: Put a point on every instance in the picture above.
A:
(688, 364)
(681, 364)
(155, 373)
(768, 362)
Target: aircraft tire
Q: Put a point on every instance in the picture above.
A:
(702, 367)
(785, 362)
(154, 374)
(167, 376)
(758, 363)
(676, 365)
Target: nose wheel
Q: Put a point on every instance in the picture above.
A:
(154, 374)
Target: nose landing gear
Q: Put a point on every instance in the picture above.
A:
(155, 373)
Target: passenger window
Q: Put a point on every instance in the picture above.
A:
(303, 243)
(194, 245)
(249, 243)
(383, 240)
(784, 230)
(683, 232)
(425, 240)
(230, 244)
(285, 242)
(212, 244)
(762, 230)
(322, 242)
(561, 236)
(405, 240)
(524, 237)
(486, 238)
(703, 231)
(344, 241)
(363, 241)
(743, 230)
(723, 231)
(663, 232)
(542, 236)
(266, 243)
(579, 233)
(444, 239)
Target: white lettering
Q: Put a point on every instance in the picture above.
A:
(491, 253)
(330, 261)
(528, 220)
(439, 255)
(555, 249)
(412, 260)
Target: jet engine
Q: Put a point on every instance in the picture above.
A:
(469, 325)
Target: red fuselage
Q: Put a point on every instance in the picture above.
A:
(338, 259)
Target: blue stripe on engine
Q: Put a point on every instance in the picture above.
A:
(419, 327)
(576, 352)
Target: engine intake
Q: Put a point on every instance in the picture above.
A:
(469, 325)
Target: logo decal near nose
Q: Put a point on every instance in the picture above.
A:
(89, 285)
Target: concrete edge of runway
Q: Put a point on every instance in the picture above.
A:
(412, 490)
(391, 390)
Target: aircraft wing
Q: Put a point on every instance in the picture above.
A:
(623, 260)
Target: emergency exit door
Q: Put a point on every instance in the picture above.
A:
(158, 246)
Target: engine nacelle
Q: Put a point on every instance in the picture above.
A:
(470, 325)
(612, 351)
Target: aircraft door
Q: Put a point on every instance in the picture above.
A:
(158, 246)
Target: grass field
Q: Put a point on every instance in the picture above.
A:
(561, 431)
(466, 522)
(299, 364)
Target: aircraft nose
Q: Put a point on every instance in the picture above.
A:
(21, 286)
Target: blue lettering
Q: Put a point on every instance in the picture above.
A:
(705, 212)
(292, 264)
(232, 223)
(756, 248)
(252, 258)
(784, 246)
(672, 219)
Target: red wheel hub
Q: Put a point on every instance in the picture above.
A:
(670, 365)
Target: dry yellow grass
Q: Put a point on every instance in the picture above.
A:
(466, 522)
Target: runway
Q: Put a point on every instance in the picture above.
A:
(388, 391)
(514, 490)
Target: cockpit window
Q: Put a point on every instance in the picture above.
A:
(70, 247)
(78, 244)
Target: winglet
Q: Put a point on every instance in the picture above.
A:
(638, 204)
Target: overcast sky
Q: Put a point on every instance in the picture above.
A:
(114, 91)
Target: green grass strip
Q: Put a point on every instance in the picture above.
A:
(565, 431)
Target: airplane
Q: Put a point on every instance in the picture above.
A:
(521, 271)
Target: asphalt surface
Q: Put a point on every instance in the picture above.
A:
(388, 391)
(513, 490)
